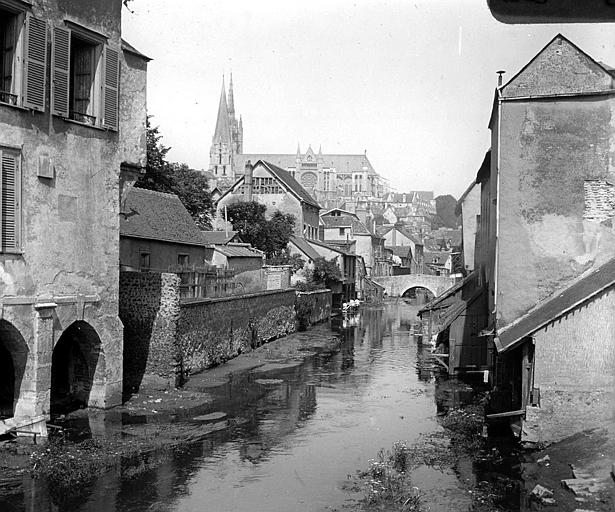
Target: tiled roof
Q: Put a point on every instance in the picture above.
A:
(158, 216)
(238, 251)
(286, 178)
(303, 245)
(218, 237)
(344, 221)
(556, 305)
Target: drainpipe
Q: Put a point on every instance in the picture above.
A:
(497, 201)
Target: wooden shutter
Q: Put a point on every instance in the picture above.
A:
(111, 89)
(9, 201)
(35, 71)
(60, 65)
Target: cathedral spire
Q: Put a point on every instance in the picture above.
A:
(223, 130)
(231, 99)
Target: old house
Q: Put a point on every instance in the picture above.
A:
(278, 190)
(236, 256)
(399, 235)
(340, 226)
(72, 137)
(158, 234)
(546, 225)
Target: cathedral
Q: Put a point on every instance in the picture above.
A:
(332, 179)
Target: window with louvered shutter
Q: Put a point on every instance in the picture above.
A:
(9, 200)
(60, 71)
(110, 89)
(35, 64)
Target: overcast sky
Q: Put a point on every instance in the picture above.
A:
(409, 81)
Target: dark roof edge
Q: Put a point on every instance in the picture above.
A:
(160, 239)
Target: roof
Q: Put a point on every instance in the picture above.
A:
(286, 178)
(456, 308)
(158, 216)
(333, 247)
(341, 163)
(345, 221)
(218, 237)
(383, 230)
(127, 47)
(303, 245)
(439, 300)
(400, 250)
(556, 306)
(485, 168)
(238, 251)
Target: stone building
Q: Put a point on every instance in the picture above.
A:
(158, 234)
(546, 226)
(278, 190)
(63, 166)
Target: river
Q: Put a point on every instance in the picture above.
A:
(294, 445)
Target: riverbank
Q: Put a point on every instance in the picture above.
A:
(153, 423)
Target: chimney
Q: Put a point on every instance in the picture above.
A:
(248, 179)
(500, 73)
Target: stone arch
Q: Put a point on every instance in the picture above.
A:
(411, 290)
(13, 360)
(77, 368)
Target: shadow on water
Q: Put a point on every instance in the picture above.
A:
(294, 431)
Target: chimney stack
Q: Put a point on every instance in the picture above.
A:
(248, 179)
(500, 73)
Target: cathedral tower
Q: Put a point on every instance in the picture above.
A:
(227, 141)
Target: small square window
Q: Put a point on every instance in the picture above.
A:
(183, 259)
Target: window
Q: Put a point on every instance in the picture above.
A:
(144, 260)
(342, 231)
(23, 57)
(85, 77)
(10, 199)
(183, 259)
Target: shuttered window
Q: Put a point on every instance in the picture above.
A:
(10, 192)
(35, 64)
(85, 77)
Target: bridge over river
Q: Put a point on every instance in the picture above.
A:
(396, 286)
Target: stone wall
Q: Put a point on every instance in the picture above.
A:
(212, 331)
(149, 310)
(165, 340)
(316, 305)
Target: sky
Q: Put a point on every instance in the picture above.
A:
(410, 82)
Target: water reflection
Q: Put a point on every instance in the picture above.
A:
(298, 430)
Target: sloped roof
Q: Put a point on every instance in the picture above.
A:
(400, 250)
(303, 245)
(158, 216)
(556, 305)
(127, 47)
(458, 206)
(218, 237)
(333, 246)
(341, 163)
(286, 178)
(238, 251)
(383, 230)
(456, 308)
(344, 221)
(438, 301)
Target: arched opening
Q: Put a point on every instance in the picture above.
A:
(13, 358)
(418, 295)
(73, 366)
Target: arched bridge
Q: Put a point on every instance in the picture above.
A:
(396, 286)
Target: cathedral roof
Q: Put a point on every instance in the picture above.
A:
(223, 129)
(341, 163)
(286, 178)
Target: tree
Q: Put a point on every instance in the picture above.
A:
(445, 213)
(270, 236)
(325, 271)
(173, 178)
